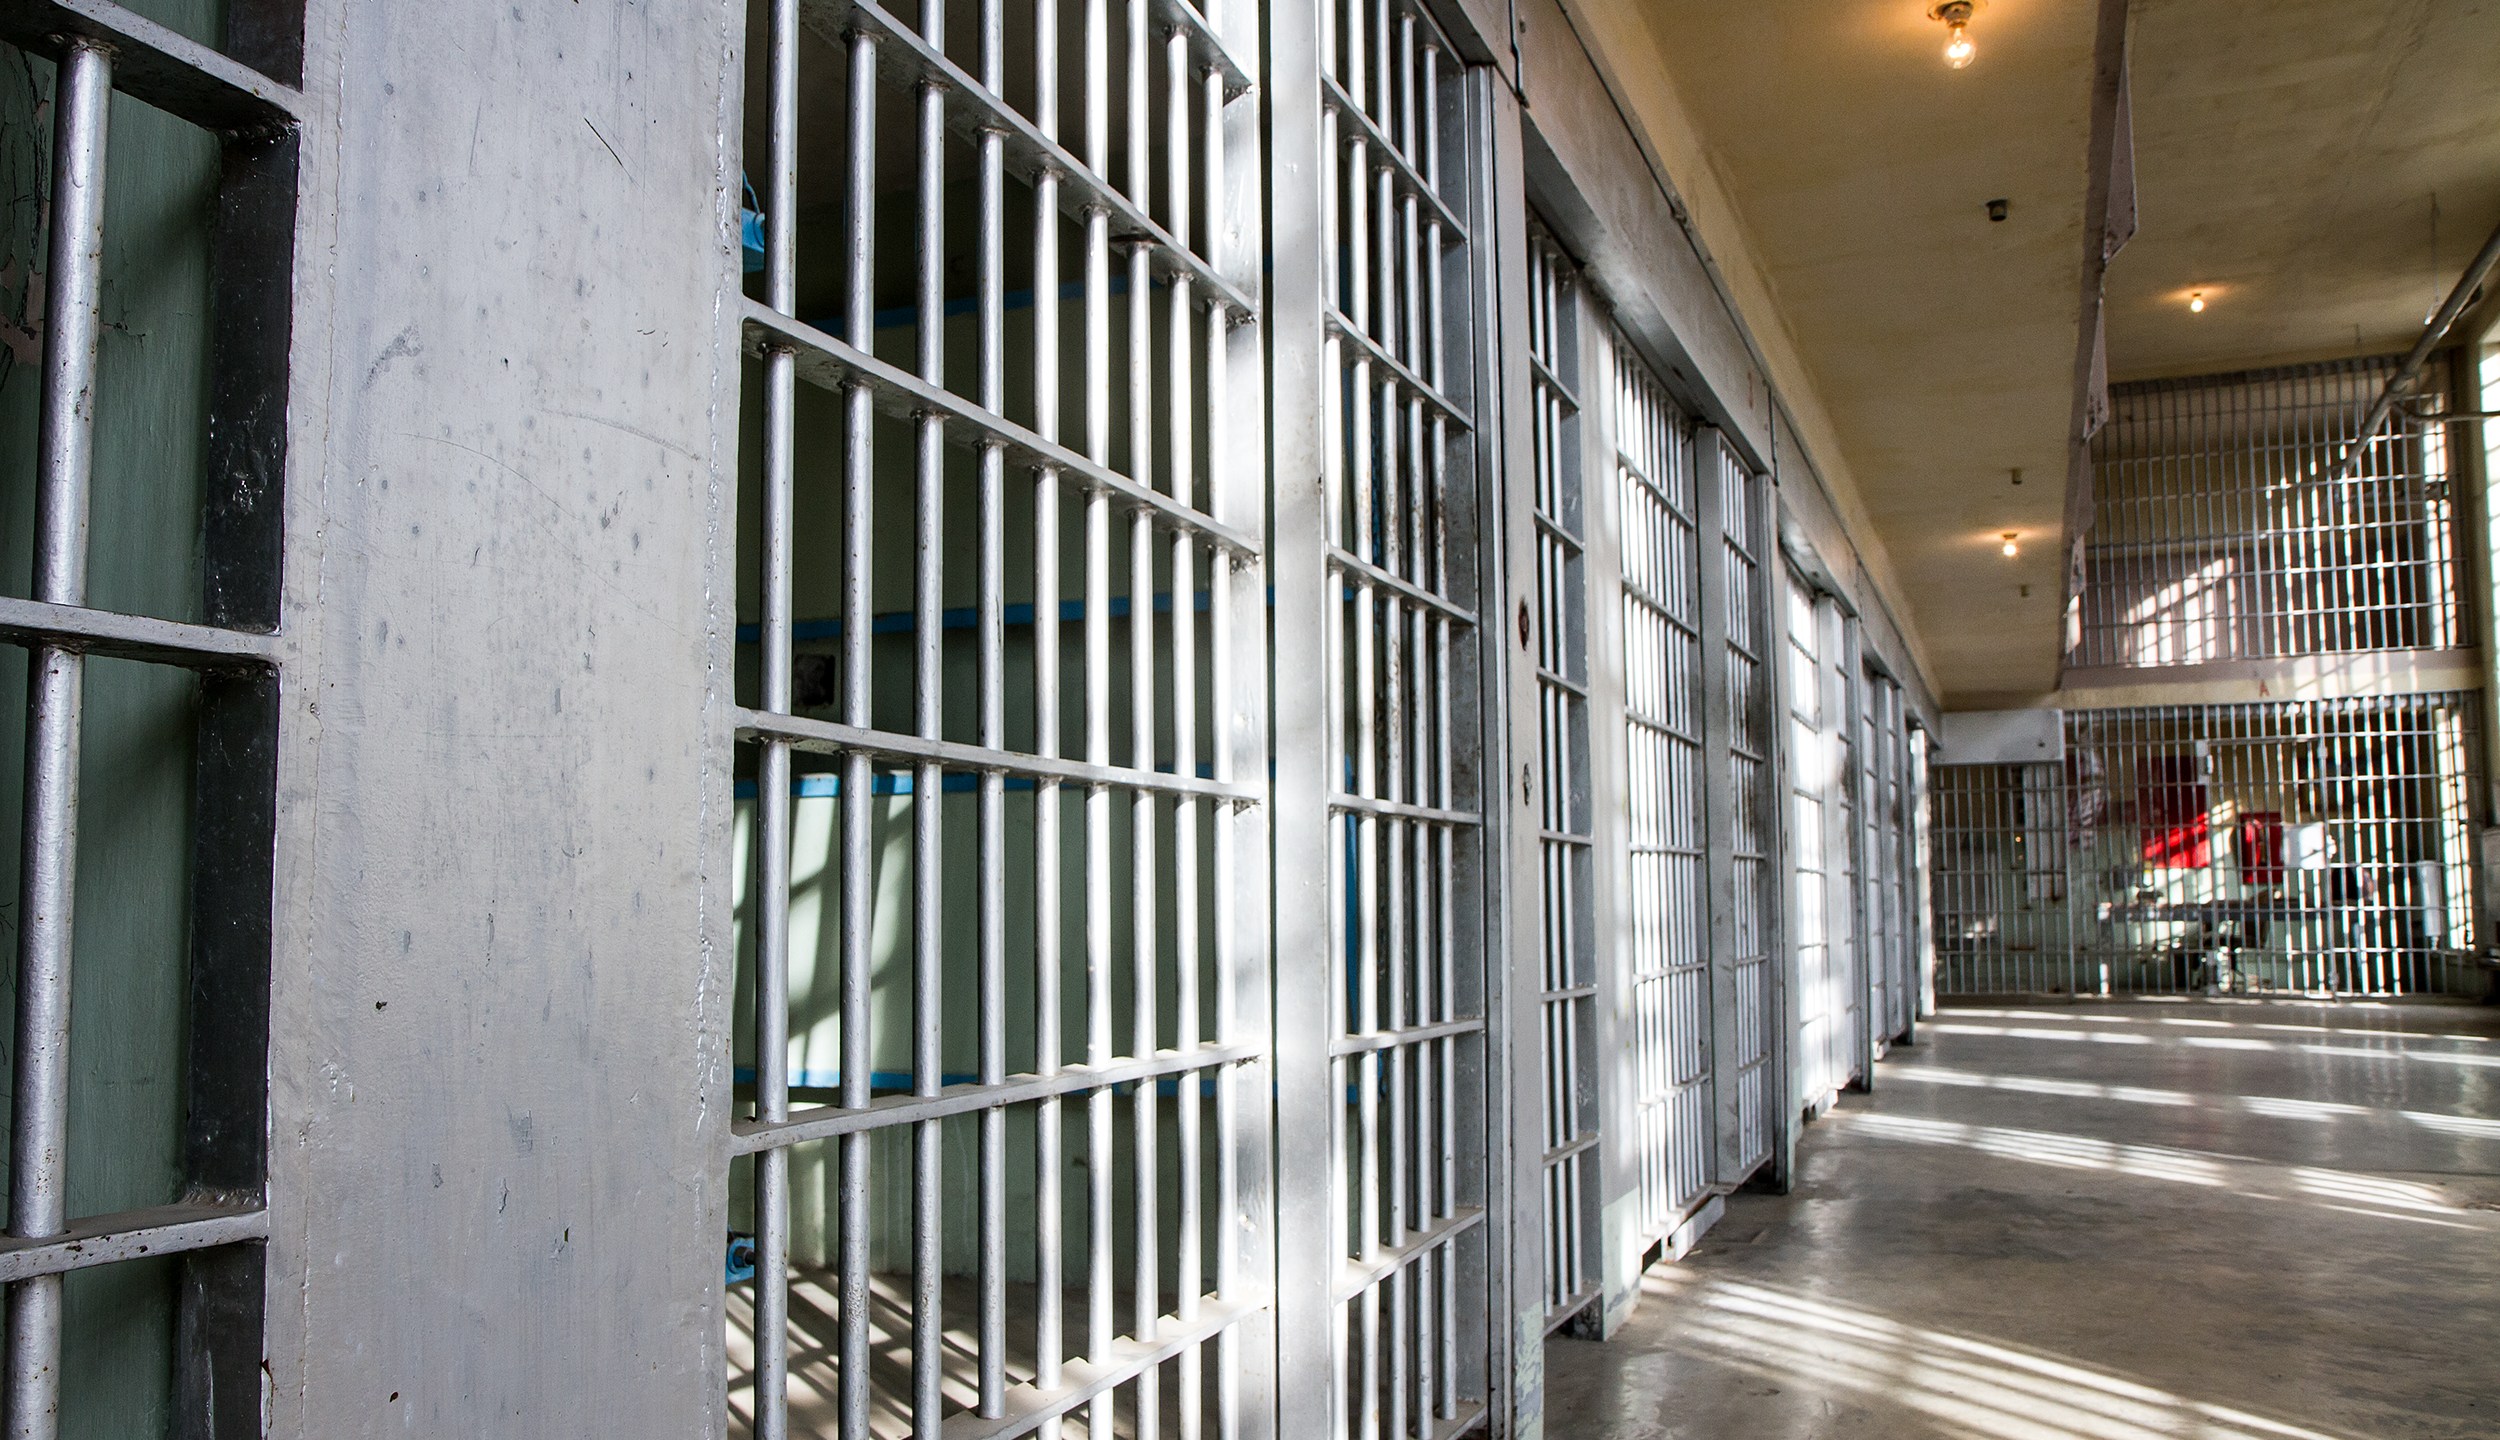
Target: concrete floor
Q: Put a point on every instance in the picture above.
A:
(2099, 1222)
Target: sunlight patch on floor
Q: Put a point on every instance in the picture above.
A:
(1967, 1386)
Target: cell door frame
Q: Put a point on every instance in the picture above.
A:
(253, 723)
(1843, 677)
(1550, 571)
(1318, 1286)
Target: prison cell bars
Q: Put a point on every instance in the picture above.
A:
(1743, 725)
(2305, 847)
(1924, 946)
(1874, 933)
(1809, 837)
(1885, 785)
(1401, 163)
(1568, 987)
(1405, 864)
(1666, 949)
(2000, 898)
(100, 49)
(1204, 511)
(1845, 849)
(2222, 530)
(2312, 845)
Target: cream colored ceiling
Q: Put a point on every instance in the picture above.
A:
(2286, 152)
(2322, 175)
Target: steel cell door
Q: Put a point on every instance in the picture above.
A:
(1004, 1023)
(1810, 764)
(1666, 947)
(1845, 845)
(1386, 1038)
(1740, 779)
(1567, 926)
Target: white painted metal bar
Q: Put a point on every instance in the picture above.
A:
(901, 1107)
(928, 949)
(854, 1386)
(828, 737)
(991, 301)
(772, 849)
(34, 623)
(130, 1235)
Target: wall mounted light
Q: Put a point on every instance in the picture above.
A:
(2196, 302)
(2010, 548)
(1956, 17)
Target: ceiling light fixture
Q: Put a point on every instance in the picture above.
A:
(2196, 302)
(1956, 17)
(2010, 548)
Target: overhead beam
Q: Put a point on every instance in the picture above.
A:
(2432, 333)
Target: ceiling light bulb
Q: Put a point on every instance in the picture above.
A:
(2011, 550)
(2196, 303)
(1956, 17)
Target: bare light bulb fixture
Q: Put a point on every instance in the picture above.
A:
(2010, 548)
(1956, 17)
(2196, 303)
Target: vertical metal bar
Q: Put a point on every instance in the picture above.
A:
(1098, 1039)
(1336, 159)
(1145, 969)
(857, 804)
(1398, 475)
(991, 620)
(1363, 946)
(1145, 965)
(38, 1153)
(1049, 1206)
(772, 789)
(1188, 1102)
(1238, 709)
(928, 1328)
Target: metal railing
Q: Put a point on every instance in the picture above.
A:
(2227, 525)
